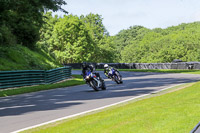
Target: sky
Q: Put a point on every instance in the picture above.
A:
(121, 14)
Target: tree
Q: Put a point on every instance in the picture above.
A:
(165, 45)
(72, 41)
(94, 23)
(23, 19)
(46, 32)
(64, 37)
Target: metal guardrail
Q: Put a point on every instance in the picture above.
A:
(58, 74)
(10, 79)
(179, 65)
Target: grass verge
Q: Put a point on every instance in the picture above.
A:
(174, 112)
(77, 80)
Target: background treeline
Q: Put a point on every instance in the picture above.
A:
(73, 39)
(32, 38)
(142, 45)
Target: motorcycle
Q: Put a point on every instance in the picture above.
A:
(95, 81)
(115, 75)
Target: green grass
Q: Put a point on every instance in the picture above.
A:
(175, 112)
(19, 57)
(78, 80)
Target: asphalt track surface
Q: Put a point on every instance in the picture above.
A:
(26, 110)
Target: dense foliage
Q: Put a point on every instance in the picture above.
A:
(73, 39)
(21, 20)
(161, 45)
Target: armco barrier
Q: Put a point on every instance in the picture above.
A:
(10, 79)
(58, 74)
(179, 65)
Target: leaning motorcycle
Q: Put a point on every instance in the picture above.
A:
(115, 75)
(95, 81)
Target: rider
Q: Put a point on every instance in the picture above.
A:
(85, 68)
(107, 69)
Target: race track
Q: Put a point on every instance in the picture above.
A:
(18, 112)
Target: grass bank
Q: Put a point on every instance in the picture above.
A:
(174, 112)
(77, 80)
(19, 57)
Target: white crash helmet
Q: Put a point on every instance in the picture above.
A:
(106, 66)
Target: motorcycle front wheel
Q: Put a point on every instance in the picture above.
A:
(118, 78)
(94, 85)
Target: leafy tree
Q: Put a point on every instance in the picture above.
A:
(106, 50)
(46, 32)
(84, 36)
(128, 36)
(125, 37)
(94, 22)
(72, 42)
(165, 45)
(23, 19)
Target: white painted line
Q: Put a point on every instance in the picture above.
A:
(85, 112)
(23, 106)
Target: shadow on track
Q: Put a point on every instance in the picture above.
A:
(134, 84)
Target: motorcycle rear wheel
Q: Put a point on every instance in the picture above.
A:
(103, 87)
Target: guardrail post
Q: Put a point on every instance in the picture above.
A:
(45, 77)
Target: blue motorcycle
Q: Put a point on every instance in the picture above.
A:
(95, 81)
(115, 76)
